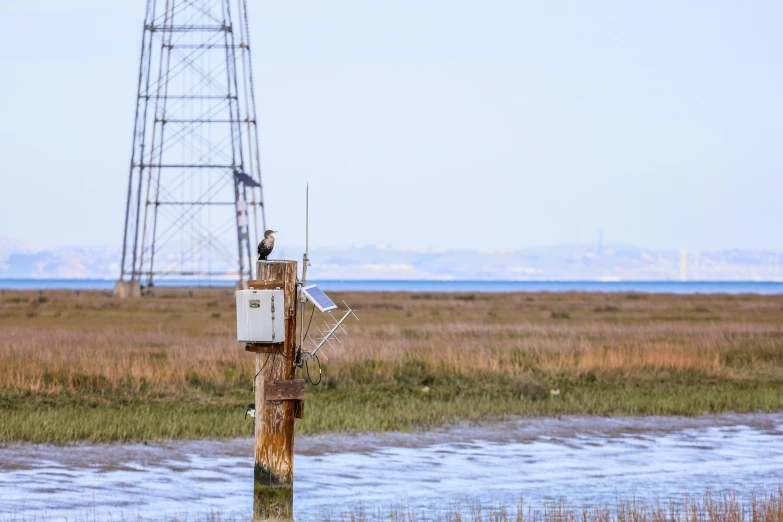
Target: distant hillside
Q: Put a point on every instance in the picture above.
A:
(588, 263)
(23, 261)
(547, 263)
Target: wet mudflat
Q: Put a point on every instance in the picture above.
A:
(585, 460)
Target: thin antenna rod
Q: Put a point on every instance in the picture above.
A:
(307, 220)
(306, 257)
(305, 262)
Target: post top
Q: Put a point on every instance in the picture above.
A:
(274, 261)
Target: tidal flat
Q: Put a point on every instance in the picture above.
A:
(85, 366)
(711, 467)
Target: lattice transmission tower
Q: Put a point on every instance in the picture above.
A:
(195, 205)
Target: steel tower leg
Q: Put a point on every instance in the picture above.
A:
(195, 169)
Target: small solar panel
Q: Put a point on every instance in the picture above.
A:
(318, 298)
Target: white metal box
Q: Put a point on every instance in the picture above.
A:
(260, 316)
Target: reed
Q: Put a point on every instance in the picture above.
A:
(724, 507)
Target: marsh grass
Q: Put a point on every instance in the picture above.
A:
(726, 507)
(92, 367)
(709, 507)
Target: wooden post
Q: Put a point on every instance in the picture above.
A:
(273, 492)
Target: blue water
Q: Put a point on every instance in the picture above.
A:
(655, 287)
(586, 461)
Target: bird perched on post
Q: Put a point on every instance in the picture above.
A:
(266, 245)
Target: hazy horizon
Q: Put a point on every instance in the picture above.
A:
(15, 242)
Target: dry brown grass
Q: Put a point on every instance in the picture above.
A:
(153, 346)
(726, 507)
(709, 507)
(502, 333)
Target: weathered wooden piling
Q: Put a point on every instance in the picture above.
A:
(278, 397)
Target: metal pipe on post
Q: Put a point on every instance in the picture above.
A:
(277, 403)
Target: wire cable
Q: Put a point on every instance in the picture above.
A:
(262, 368)
(320, 375)
(310, 322)
(304, 332)
(280, 351)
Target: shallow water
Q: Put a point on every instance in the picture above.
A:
(585, 460)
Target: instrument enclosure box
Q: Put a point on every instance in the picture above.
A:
(260, 316)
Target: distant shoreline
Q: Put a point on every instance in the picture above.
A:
(493, 286)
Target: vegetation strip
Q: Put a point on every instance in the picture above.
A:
(725, 507)
(95, 368)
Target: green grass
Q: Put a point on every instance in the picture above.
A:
(367, 409)
(436, 399)
(63, 423)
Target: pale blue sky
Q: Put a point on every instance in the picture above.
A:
(424, 123)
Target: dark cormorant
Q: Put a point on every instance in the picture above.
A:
(266, 245)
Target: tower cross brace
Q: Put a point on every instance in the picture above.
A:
(194, 198)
